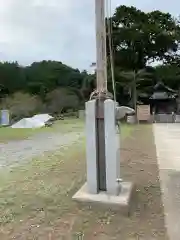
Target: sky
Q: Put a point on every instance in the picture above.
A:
(62, 30)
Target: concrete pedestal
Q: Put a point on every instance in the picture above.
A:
(123, 202)
(118, 194)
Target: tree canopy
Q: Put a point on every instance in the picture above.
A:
(138, 40)
(139, 37)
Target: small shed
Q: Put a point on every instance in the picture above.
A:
(163, 99)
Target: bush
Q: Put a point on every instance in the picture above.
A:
(72, 114)
(21, 105)
(60, 100)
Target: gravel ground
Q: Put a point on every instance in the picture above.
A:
(15, 152)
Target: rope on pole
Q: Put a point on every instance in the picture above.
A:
(101, 69)
(109, 27)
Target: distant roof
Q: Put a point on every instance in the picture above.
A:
(162, 95)
(161, 86)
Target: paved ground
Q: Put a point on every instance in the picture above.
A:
(167, 139)
(139, 164)
(17, 151)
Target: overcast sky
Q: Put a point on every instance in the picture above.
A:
(63, 30)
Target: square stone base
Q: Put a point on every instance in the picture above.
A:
(124, 202)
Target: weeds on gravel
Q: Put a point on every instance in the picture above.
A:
(41, 185)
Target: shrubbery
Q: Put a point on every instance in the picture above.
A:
(23, 105)
(61, 100)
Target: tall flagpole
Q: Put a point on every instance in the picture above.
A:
(102, 139)
(101, 62)
(101, 91)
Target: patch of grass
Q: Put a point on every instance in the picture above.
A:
(125, 130)
(67, 125)
(63, 126)
(37, 195)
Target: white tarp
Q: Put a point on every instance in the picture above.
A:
(42, 117)
(122, 111)
(37, 121)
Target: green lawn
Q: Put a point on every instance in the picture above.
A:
(37, 196)
(67, 125)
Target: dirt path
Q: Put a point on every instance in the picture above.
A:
(15, 152)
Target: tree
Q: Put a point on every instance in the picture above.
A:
(140, 37)
(61, 99)
(52, 74)
(12, 77)
(169, 74)
(134, 83)
(43, 79)
(88, 85)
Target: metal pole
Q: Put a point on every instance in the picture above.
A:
(101, 75)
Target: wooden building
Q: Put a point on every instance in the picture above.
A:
(163, 99)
